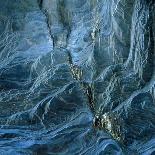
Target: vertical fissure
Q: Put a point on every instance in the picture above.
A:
(40, 3)
(86, 87)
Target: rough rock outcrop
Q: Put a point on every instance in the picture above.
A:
(77, 77)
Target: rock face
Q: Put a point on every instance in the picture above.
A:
(77, 77)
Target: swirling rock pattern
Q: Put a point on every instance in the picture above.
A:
(77, 77)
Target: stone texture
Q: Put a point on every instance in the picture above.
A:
(77, 77)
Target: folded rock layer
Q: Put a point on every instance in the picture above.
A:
(77, 77)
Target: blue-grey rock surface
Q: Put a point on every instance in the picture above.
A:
(77, 77)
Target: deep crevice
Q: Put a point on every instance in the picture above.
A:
(77, 73)
(40, 3)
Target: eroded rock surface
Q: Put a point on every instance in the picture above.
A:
(77, 77)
